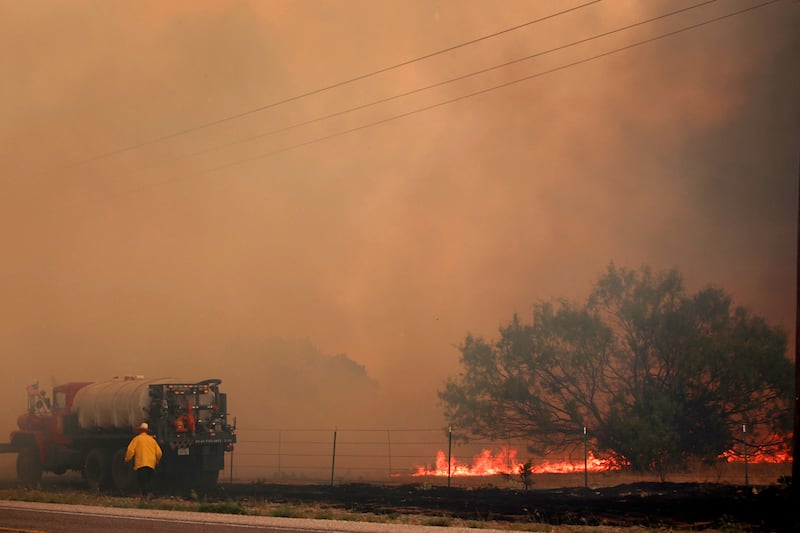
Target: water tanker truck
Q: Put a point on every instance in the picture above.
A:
(86, 427)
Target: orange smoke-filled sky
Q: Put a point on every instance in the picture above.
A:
(137, 240)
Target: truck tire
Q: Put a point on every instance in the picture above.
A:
(97, 469)
(29, 467)
(122, 475)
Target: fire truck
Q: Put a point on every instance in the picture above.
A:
(86, 427)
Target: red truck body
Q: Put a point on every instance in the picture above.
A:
(87, 426)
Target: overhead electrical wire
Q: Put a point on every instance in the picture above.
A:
(420, 89)
(463, 97)
(322, 89)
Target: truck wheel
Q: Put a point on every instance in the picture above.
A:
(29, 467)
(97, 469)
(121, 472)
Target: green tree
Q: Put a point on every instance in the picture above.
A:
(658, 375)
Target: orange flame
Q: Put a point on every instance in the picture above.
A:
(505, 462)
(776, 451)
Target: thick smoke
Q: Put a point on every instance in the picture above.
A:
(389, 244)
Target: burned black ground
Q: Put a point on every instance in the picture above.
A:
(667, 506)
(693, 506)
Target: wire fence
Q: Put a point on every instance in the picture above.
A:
(333, 454)
(338, 455)
(429, 455)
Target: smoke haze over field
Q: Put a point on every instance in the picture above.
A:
(331, 281)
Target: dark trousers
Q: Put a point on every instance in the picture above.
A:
(144, 476)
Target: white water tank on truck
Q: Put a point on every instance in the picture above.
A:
(121, 403)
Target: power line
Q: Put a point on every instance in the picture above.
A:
(464, 97)
(421, 89)
(322, 89)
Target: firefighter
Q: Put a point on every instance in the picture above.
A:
(146, 453)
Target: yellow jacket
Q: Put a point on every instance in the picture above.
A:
(145, 450)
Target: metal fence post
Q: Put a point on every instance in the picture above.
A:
(744, 435)
(585, 458)
(449, 452)
(333, 456)
(389, 444)
(508, 455)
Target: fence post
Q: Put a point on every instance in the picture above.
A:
(744, 435)
(333, 457)
(232, 464)
(449, 452)
(508, 455)
(585, 458)
(389, 444)
(279, 455)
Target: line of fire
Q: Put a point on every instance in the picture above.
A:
(400, 455)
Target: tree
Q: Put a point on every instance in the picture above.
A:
(660, 376)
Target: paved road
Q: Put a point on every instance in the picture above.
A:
(29, 517)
